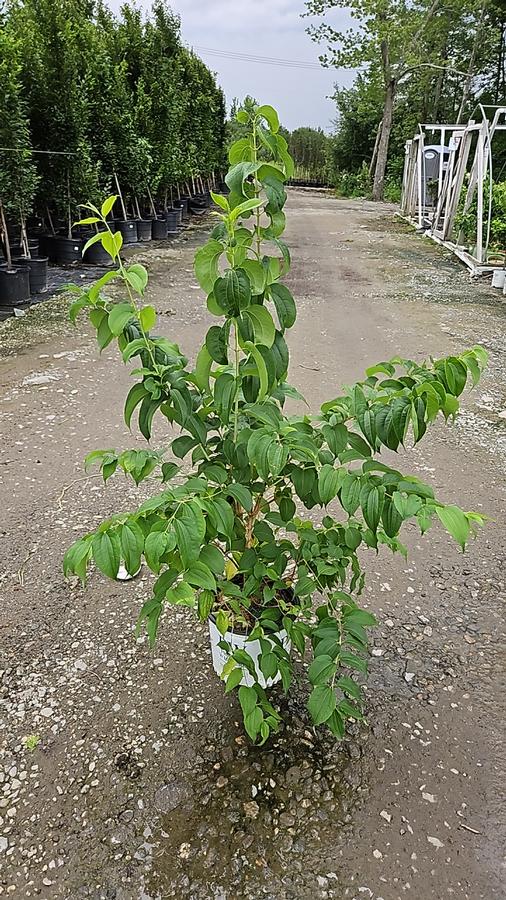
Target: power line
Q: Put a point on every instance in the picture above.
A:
(263, 60)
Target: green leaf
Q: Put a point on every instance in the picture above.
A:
(154, 548)
(234, 679)
(271, 117)
(205, 604)
(245, 207)
(349, 687)
(328, 483)
(203, 369)
(137, 277)
(216, 344)
(322, 669)
(349, 710)
(248, 699)
(132, 545)
(284, 303)
(237, 175)
(119, 317)
(76, 558)
(321, 703)
(220, 201)
(190, 528)
(256, 274)
(94, 239)
(263, 325)
(232, 291)
(147, 318)
(352, 661)
(181, 595)
(268, 664)
(213, 558)
(261, 369)
(253, 722)
(107, 552)
(107, 205)
(240, 151)
(223, 514)
(201, 576)
(350, 494)
(277, 456)
(224, 395)
(373, 506)
(182, 445)
(456, 523)
(242, 494)
(206, 264)
(135, 395)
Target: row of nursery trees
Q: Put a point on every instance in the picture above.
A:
(423, 61)
(110, 97)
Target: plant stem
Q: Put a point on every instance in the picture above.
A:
(236, 403)
(257, 190)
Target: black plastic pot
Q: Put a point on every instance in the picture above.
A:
(97, 256)
(128, 229)
(159, 230)
(144, 227)
(182, 204)
(37, 268)
(14, 286)
(67, 250)
(47, 245)
(33, 246)
(172, 218)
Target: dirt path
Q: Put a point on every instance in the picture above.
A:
(140, 783)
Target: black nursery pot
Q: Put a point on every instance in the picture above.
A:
(159, 230)
(144, 229)
(182, 204)
(128, 229)
(172, 218)
(14, 286)
(67, 250)
(37, 272)
(97, 256)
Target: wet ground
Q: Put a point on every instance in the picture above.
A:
(124, 772)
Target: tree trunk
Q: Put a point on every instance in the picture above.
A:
(372, 164)
(382, 155)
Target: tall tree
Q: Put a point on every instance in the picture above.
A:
(395, 39)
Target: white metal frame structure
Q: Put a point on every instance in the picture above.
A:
(438, 221)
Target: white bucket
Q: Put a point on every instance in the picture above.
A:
(499, 278)
(252, 648)
(123, 575)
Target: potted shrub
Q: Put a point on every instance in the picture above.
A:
(18, 175)
(229, 534)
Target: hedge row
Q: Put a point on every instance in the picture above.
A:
(107, 96)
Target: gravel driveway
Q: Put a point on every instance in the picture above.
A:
(124, 772)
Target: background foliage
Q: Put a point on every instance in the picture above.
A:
(112, 94)
(435, 60)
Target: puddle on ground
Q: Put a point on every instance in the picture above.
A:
(255, 822)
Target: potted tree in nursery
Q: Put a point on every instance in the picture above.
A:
(260, 532)
(18, 176)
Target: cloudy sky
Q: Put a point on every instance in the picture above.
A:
(267, 28)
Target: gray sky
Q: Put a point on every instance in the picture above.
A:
(268, 28)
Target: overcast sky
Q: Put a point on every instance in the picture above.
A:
(268, 28)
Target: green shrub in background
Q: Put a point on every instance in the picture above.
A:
(112, 95)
